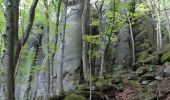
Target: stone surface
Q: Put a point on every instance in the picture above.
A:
(166, 71)
(72, 50)
(123, 49)
(140, 71)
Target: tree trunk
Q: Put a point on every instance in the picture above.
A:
(47, 50)
(103, 39)
(85, 16)
(30, 78)
(60, 53)
(132, 41)
(132, 10)
(13, 46)
(159, 34)
(12, 9)
(167, 18)
(57, 9)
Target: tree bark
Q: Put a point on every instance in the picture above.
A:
(84, 43)
(103, 39)
(14, 45)
(159, 34)
(12, 9)
(47, 49)
(57, 9)
(132, 10)
(167, 18)
(30, 78)
(60, 55)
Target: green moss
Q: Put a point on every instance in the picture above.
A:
(165, 57)
(151, 87)
(74, 97)
(143, 46)
(151, 59)
(141, 56)
(148, 75)
(134, 83)
(166, 47)
(38, 98)
(81, 87)
(141, 36)
(103, 82)
(145, 96)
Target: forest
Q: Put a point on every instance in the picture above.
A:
(84, 49)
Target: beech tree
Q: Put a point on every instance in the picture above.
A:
(13, 43)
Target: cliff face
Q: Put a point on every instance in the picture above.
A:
(72, 50)
(147, 79)
(127, 81)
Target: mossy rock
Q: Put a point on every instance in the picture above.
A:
(141, 71)
(143, 46)
(166, 47)
(148, 76)
(145, 96)
(81, 87)
(142, 55)
(151, 87)
(136, 66)
(165, 57)
(134, 83)
(74, 97)
(96, 95)
(141, 36)
(38, 98)
(152, 59)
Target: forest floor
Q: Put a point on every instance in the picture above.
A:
(143, 83)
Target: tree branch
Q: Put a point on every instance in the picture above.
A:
(30, 22)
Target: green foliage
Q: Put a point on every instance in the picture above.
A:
(95, 22)
(92, 39)
(25, 67)
(141, 9)
(109, 14)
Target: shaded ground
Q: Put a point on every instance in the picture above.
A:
(145, 83)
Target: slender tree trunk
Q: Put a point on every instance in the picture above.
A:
(61, 39)
(47, 49)
(103, 39)
(57, 15)
(30, 78)
(85, 16)
(132, 41)
(159, 34)
(57, 10)
(167, 18)
(132, 10)
(90, 67)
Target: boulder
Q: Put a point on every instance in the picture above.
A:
(141, 56)
(146, 78)
(166, 71)
(140, 71)
(136, 66)
(141, 36)
(151, 59)
(165, 57)
(123, 51)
